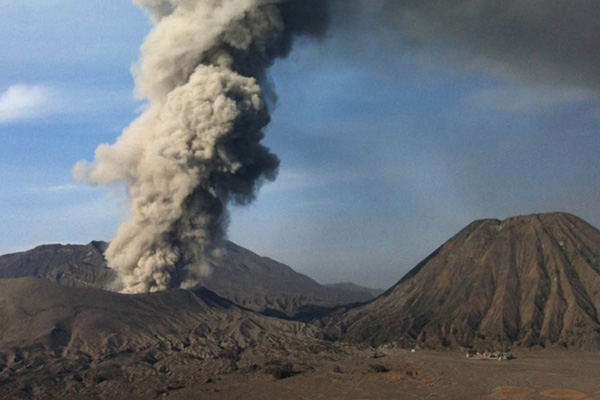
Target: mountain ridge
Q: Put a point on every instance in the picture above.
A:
(238, 274)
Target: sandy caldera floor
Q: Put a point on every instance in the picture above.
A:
(421, 375)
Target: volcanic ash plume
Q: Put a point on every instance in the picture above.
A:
(537, 42)
(197, 147)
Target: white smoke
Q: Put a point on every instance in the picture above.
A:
(197, 146)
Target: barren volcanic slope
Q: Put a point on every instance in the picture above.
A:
(527, 281)
(63, 342)
(70, 265)
(239, 275)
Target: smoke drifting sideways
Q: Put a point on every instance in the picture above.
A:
(197, 147)
(526, 42)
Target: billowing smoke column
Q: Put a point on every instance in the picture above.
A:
(197, 146)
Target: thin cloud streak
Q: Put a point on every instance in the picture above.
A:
(21, 103)
(67, 188)
(515, 99)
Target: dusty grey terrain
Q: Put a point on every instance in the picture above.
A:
(58, 341)
(538, 375)
(529, 283)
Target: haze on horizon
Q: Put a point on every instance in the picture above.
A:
(391, 140)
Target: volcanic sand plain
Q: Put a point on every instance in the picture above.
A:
(533, 375)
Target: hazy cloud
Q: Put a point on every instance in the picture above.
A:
(74, 221)
(529, 99)
(24, 102)
(291, 180)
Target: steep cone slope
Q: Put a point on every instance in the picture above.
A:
(255, 282)
(527, 281)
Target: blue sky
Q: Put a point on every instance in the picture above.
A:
(386, 151)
